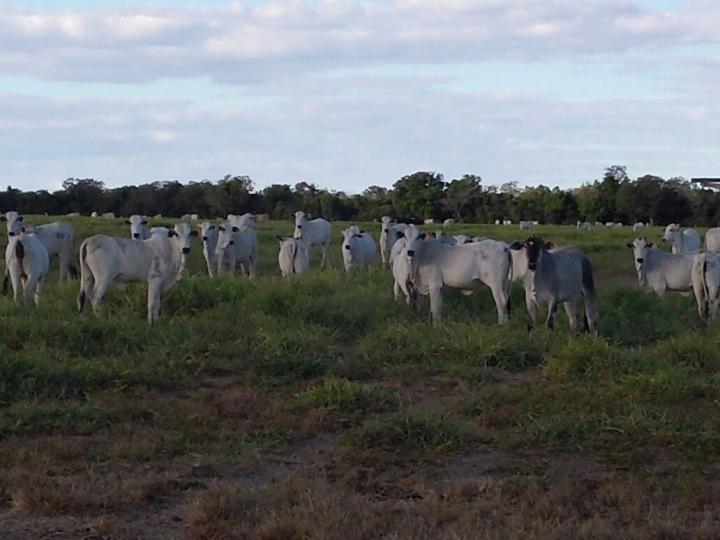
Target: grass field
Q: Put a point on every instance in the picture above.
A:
(321, 408)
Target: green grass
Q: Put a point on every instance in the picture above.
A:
(240, 370)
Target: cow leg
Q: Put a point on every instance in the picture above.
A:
(552, 314)
(252, 267)
(38, 289)
(29, 289)
(396, 290)
(571, 310)
(500, 304)
(436, 303)
(64, 259)
(532, 308)
(96, 296)
(17, 285)
(153, 307)
(323, 248)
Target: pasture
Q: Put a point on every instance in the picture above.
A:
(318, 407)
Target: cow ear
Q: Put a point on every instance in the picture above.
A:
(400, 234)
(235, 229)
(171, 233)
(11, 233)
(629, 244)
(127, 222)
(517, 246)
(650, 244)
(279, 238)
(20, 218)
(550, 244)
(144, 222)
(221, 228)
(422, 236)
(194, 233)
(3, 218)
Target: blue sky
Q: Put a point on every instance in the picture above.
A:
(348, 94)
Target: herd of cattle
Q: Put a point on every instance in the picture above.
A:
(420, 264)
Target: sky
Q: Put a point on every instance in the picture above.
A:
(352, 93)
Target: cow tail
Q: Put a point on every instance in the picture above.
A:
(85, 277)
(20, 254)
(706, 293)
(293, 255)
(591, 305)
(508, 286)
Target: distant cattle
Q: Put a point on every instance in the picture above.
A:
(57, 237)
(661, 271)
(27, 263)
(156, 261)
(507, 222)
(109, 215)
(557, 276)
(429, 221)
(448, 222)
(293, 257)
(359, 249)
(314, 232)
(638, 227)
(194, 217)
(185, 218)
(94, 214)
(583, 226)
(681, 240)
(525, 225)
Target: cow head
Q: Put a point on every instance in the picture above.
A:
(300, 221)
(226, 237)
(670, 232)
(534, 248)
(386, 224)
(640, 247)
(181, 234)
(207, 231)
(138, 227)
(14, 222)
(413, 246)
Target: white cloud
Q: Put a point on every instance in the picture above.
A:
(243, 42)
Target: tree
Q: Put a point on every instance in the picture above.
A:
(418, 195)
(463, 196)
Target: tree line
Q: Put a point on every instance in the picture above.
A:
(417, 196)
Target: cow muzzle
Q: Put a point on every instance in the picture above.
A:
(136, 235)
(532, 266)
(204, 238)
(231, 242)
(347, 247)
(640, 260)
(411, 253)
(186, 251)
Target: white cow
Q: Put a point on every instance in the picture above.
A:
(448, 222)
(461, 239)
(557, 276)
(359, 249)
(388, 237)
(293, 257)
(27, 264)
(445, 238)
(109, 215)
(94, 214)
(138, 227)
(662, 271)
(507, 222)
(712, 240)
(638, 227)
(401, 271)
(432, 266)
(185, 218)
(583, 226)
(236, 246)
(429, 221)
(706, 285)
(156, 261)
(525, 225)
(682, 241)
(209, 236)
(315, 232)
(57, 237)
(497, 222)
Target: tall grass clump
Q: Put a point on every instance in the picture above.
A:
(344, 396)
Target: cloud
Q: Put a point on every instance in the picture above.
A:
(351, 139)
(249, 42)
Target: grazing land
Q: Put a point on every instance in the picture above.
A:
(320, 408)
